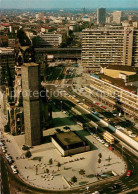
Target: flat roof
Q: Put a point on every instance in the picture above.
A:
(30, 64)
(68, 138)
(120, 67)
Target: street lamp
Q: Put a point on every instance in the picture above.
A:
(61, 104)
(122, 150)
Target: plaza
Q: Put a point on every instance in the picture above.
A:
(34, 170)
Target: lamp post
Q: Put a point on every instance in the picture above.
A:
(122, 150)
(61, 104)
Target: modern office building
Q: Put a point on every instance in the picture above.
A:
(31, 103)
(109, 46)
(50, 40)
(101, 16)
(117, 15)
(116, 94)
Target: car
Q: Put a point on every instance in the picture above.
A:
(2, 144)
(111, 148)
(106, 145)
(129, 172)
(102, 141)
(116, 186)
(14, 169)
(94, 136)
(132, 135)
(4, 150)
(3, 147)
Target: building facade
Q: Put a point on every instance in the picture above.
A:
(114, 96)
(117, 15)
(31, 103)
(110, 46)
(7, 64)
(50, 40)
(101, 16)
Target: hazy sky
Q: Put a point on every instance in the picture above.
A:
(68, 3)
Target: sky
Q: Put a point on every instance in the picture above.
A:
(48, 4)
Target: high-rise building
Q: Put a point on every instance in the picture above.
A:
(110, 46)
(101, 16)
(7, 64)
(117, 17)
(31, 103)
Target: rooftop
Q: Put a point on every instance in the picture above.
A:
(68, 138)
(121, 67)
(30, 64)
(118, 82)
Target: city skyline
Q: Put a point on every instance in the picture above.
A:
(50, 4)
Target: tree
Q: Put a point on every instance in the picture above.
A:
(59, 165)
(82, 171)
(28, 154)
(47, 170)
(7, 128)
(39, 160)
(99, 161)
(100, 155)
(50, 161)
(74, 179)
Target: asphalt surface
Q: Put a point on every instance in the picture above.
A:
(11, 182)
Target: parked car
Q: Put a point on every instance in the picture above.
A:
(106, 145)
(111, 148)
(14, 169)
(116, 186)
(129, 172)
(132, 135)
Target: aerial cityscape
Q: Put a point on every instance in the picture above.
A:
(69, 96)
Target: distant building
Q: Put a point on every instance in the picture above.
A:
(117, 15)
(31, 103)
(11, 43)
(7, 60)
(135, 24)
(109, 46)
(101, 16)
(109, 19)
(50, 40)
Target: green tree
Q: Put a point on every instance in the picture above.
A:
(99, 161)
(58, 165)
(50, 161)
(28, 154)
(7, 128)
(74, 179)
(100, 155)
(47, 170)
(82, 172)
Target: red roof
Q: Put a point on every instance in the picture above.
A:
(5, 24)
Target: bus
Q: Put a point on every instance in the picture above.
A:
(108, 137)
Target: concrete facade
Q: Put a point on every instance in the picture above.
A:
(109, 45)
(31, 103)
(101, 16)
